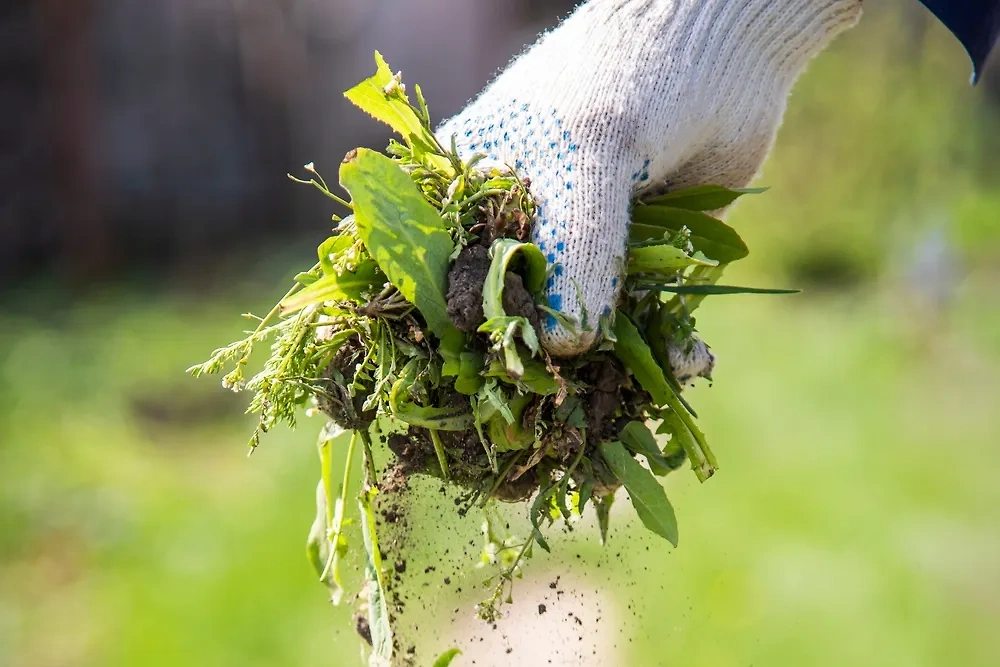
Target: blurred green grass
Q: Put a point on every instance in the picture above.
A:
(134, 529)
(856, 519)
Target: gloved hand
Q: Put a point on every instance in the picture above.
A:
(632, 97)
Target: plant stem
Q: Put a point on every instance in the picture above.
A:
(502, 476)
(338, 515)
(274, 312)
(439, 450)
(365, 501)
(370, 472)
(324, 190)
(483, 194)
(579, 454)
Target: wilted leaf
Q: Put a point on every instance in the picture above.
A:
(404, 233)
(648, 497)
(713, 237)
(503, 332)
(702, 197)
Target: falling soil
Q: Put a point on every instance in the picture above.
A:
(560, 614)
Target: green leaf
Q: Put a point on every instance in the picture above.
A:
(451, 348)
(502, 332)
(378, 608)
(503, 252)
(395, 110)
(512, 436)
(633, 350)
(603, 506)
(502, 327)
(470, 368)
(638, 358)
(713, 237)
(648, 497)
(317, 544)
(640, 440)
(404, 233)
(538, 512)
(662, 259)
(535, 376)
(712, 290)
(354, 286)
(682, 442)
(702, 197)
(306, 278)
(446, 658)
(403, 409)
(586, 493)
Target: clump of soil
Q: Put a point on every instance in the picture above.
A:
(605, 398)
(465, 288)
(517, 301)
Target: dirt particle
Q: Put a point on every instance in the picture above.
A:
(542, 609)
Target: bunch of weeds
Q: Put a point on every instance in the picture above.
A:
(417, 332)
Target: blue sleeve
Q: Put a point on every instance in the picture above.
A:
(976, 23)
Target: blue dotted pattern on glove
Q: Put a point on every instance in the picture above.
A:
(536, 145)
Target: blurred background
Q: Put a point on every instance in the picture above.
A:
(144, 206)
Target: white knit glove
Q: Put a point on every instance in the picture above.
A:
(638, 96)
